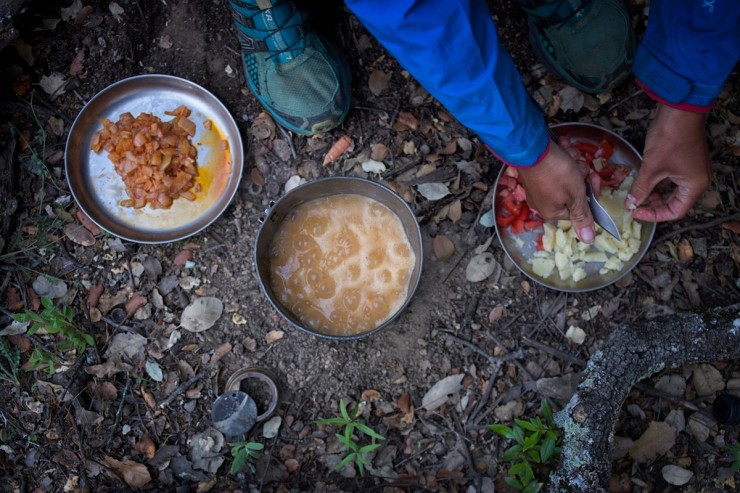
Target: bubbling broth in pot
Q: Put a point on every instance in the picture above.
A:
(341, 264)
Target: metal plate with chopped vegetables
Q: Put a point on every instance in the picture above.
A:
(100, 191)
(575, 268)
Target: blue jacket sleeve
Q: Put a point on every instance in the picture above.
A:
(688, 50)
(452, 49)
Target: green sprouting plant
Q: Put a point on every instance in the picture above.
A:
(352, 422)
(54, 321)
(12, 362)
(733, 453)
(536, 449)
(244, 454)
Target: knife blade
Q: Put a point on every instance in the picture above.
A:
(601, 215)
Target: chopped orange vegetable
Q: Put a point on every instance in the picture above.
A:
(155, 159)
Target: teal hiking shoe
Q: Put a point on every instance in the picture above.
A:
(297, 75)
(588, 43)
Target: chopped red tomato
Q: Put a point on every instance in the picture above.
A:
(504, 221)
(532, 224)
(605, 149)
(586, 147)
(540, 246)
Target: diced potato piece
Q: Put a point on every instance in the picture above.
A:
(566, 272)
(578, 274)
(519, 242)
(636, 229)
(543, 267)
(548, 238)
(594, 257)
(604, 243)
(561, 239)
(634, 244)
(613, 263)
(564, 225)
(561, 261)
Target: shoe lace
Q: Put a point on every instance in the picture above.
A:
(574, 12)
(296, 20)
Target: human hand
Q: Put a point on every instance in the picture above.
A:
(675, 150)
(556, 189)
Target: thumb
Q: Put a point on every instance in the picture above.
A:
(644, 183)
(583, 222)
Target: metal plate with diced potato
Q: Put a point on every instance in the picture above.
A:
(521, 248)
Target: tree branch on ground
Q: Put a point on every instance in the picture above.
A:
(631, 353)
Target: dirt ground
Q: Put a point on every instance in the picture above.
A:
(84, 429)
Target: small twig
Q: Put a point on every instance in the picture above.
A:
(120, 410)
(487, 393)
(493, 359)
(112, 322)
(696, 227)
(130, 274)
(554, 352)
(477, 480)
(550, 310)
(179, 390)
(270, 151)
(623, 100)
(289, 139)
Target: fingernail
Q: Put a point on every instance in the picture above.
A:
(631, 202)
(586, 234)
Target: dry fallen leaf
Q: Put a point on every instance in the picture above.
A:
(443, 247)
(407, 408)
(201, 314)
(257, 177)
(378, 82)
(182, 257)
(149, 399)
(711, 199)
(408, 119)
(263, 127)
(76, 68)
(87, 222)
(53, 84)
(658, 439)
(79, 234)
(134, 474)
(93, 295)
(433, 191)
(274, 335)
(134, 304)
(481, 267)
(221, 351)
(372, 166)
(70, 12)
(675, 475)
(707, 380)
(370, 396)
(103, 391)
(440, 392)
(146, 446)
(378, 152)
(455, 211)
(571, 99)
(496, 314)
(733, 226)
(685, 251)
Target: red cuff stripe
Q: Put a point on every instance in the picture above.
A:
(680, 106)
